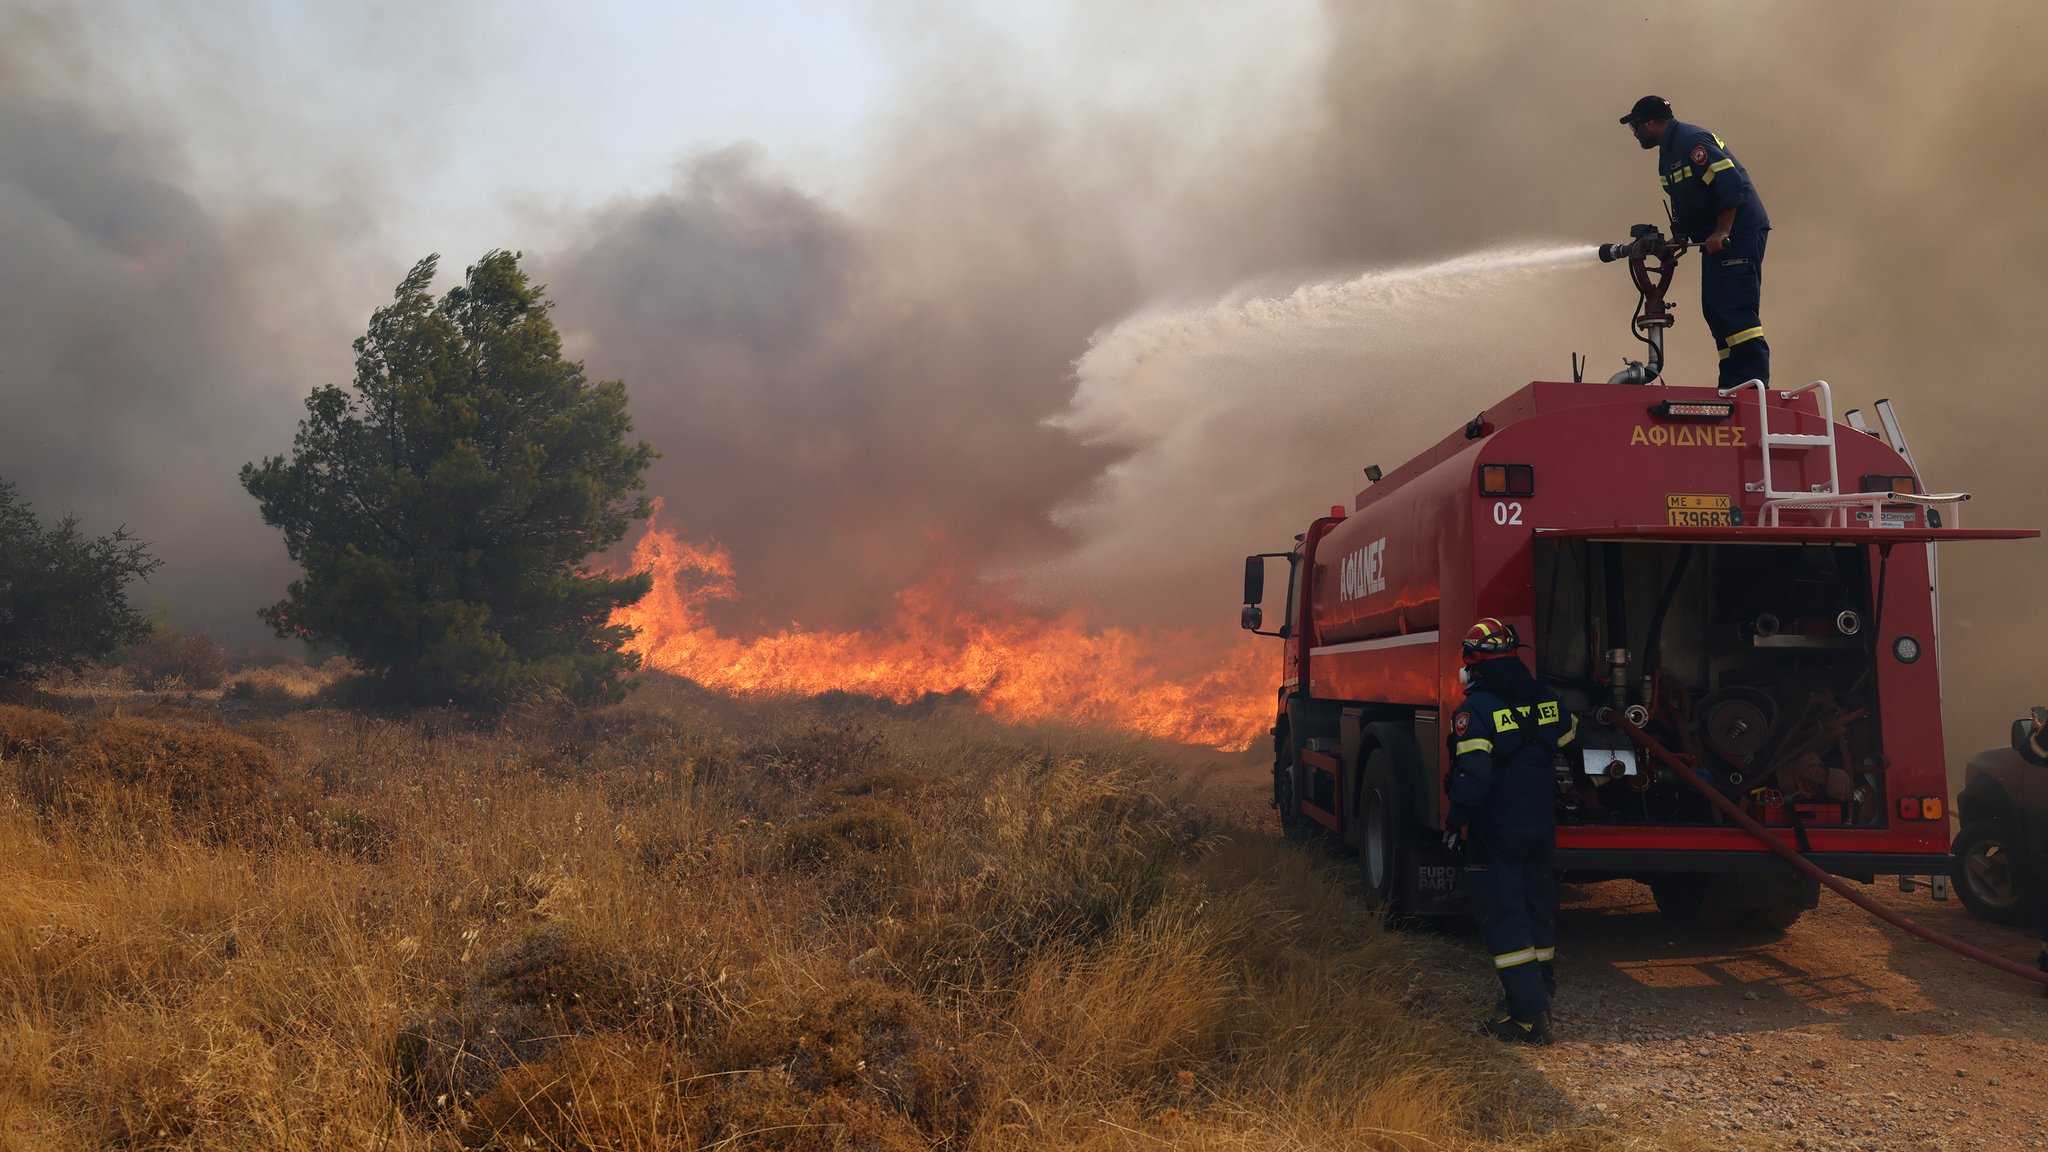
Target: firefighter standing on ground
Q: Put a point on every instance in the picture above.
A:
(1714, 203)
(1503, 796)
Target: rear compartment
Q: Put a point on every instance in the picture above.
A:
(1758, 661)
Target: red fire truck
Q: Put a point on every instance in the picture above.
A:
(1734, 574)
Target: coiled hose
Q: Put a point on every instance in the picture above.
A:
(1808, 867)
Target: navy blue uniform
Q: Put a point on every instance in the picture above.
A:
(1503, 791)
(1703, 178)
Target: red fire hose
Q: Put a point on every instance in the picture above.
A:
(1841, 888)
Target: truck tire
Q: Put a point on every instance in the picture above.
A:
(1774, 919)
(1379, 816)
(1696, 900)
(1990, 875)
(1718, 901)
(1287, 797)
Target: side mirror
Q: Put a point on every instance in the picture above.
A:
(1252, 618)
(1254, 579)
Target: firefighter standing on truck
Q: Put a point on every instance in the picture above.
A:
(1714, 203)
(1503, 796)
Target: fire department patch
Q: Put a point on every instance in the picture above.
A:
(1699, 154)
(1461, 722)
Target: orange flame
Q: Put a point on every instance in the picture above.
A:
(1175, 685)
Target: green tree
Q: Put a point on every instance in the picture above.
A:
(63, 597)
(444, 509)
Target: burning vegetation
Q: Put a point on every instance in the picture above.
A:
(1186, 685)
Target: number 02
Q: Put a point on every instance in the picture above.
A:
(1507, 512)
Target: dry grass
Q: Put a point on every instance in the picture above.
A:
(704, 926)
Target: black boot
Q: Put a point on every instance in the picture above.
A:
(1520, 1029)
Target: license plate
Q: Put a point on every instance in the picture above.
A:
(1699, 511)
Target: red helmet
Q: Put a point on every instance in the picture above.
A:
(1490, 638)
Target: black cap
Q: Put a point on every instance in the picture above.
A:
(1648, 108)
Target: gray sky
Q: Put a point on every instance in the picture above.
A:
(475, 123)
(466, 115)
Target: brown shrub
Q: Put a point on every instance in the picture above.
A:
(889, 781)
(862, 827)
(170, 658)
(619, 1093)
(30, 732)
(275, 688)
(765, 1111)
(542, 988)
(821, 751)
(351, 831)
(856, 1051)
(251, 689)
(202, 773)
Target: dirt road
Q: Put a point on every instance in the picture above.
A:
(1840, 1033)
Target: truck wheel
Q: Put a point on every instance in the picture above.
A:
(1990, 876)
(1679, 897)
(1775, 919)
(1379, 848)
(1287, 799)
(1697, 900)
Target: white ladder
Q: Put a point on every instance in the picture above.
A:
(1828, 496)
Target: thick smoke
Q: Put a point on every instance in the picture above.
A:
(142, 351)
(854, 389)
(847, 416)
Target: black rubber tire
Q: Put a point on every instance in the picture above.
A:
(1774, 919)
(1991, 878)
(1294, 825)
(1695, 900)
(1679, 897)
(1378, 813)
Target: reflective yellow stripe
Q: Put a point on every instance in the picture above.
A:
(1724, 353)
(1571, 735)
(1475, 745)
(1745, 334)
(1707, 177)
(1545, 955)
(1510, 959)
(1721, 165)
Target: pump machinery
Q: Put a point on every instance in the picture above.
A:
(1733, 575)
